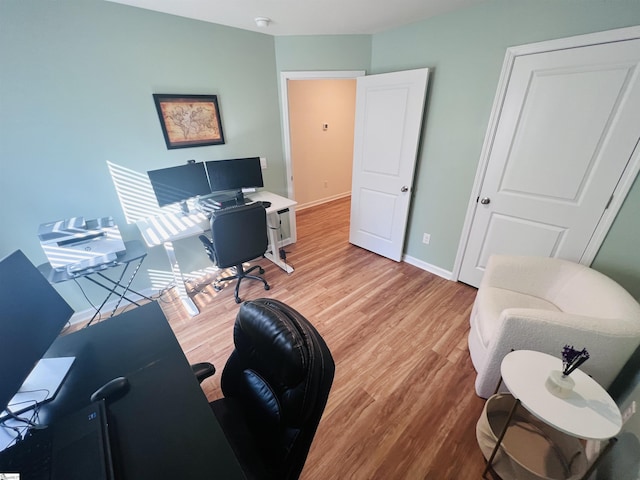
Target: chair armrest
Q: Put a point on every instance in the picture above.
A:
(208, 247)
(609, 342)
(544, 322)
(203, 370)
(531, 275)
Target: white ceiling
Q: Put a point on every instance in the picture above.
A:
(306, 17)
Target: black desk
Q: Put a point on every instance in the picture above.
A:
(134, 251)
(163, 426)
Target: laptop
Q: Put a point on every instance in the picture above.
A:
(76, 447)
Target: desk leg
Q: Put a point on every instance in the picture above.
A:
(113, 289)
(125, 288)
(500, 437)
(293, 229)
(180, 284)
(274, 255)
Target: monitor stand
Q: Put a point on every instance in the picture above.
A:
(41, 385)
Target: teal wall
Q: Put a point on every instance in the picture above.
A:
(323, 52)
(618, 257)
(76, 84)
(465, 51)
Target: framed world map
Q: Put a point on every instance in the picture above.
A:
(189, 120)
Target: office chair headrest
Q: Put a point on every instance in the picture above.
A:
(268, 335)
(279, 364)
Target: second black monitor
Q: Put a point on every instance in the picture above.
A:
(180, 183)
(234, 174)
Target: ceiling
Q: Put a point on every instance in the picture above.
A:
(306, 17)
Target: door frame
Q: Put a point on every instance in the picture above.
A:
(284, 105)
(627, 178)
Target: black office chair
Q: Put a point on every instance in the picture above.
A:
(239, 234)
(275, 384)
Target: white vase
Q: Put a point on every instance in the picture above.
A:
(560, 385)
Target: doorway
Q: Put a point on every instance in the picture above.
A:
(386, 128)
(322, 117)
(316, 130)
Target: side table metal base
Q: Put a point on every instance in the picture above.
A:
(516, 403)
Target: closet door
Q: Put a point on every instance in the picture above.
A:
(565, 129)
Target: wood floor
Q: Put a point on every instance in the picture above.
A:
(402, 404)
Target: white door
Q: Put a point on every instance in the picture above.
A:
(388, 122)
(566, 130)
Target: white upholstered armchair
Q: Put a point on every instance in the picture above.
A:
(542, 304)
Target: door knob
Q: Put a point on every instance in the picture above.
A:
(404, 189)
(485, 201)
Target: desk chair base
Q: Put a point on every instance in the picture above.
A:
(241, 273)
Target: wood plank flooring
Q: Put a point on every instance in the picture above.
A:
(402, 404)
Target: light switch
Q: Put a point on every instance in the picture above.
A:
(263, 163)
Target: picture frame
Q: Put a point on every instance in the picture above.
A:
(189, 120)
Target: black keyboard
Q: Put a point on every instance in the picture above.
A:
(31, 457)
(231, 207)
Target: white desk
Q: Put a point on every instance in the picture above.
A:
(588, 412)
(165, 229)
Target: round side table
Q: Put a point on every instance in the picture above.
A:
(588, 412)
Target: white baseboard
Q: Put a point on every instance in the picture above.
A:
(441, 272)
(85, 315)
(321, 201)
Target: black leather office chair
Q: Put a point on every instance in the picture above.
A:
(239, 234)
(275, 384)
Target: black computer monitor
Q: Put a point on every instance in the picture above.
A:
(178, 184)
(234, 174)
(32, 315)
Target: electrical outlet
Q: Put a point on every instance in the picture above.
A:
(326, 184)
(628, 413)
(426, 238)
(263, 163)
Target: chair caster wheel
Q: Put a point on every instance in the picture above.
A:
(238, 300)
(261, 270)
(267, 287)
(217, 288)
